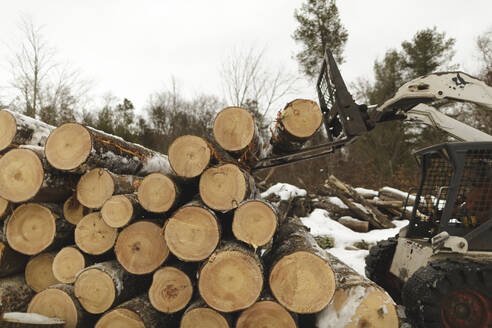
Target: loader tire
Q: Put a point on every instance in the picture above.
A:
(378, 264)
(450, 294)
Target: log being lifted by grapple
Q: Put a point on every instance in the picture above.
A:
(17, 129)
(77, 148)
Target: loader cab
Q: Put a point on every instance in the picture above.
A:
(455, 193)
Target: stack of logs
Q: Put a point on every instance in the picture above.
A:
(101, 232)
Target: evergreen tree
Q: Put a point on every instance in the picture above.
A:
(319, 27)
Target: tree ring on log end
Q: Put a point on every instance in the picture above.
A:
(302, 282)
(223, 187)
(31, 229)
(67, 263)
(189, 156)
(157, 193)
(203, 318)
(117, 211)
(171, 290)
(95, 290)
(73, 211)
(93, 236)
(39, 272)
(234, 128)
(266, 311)
(192, 233)
(141, 248)
(254, 223)
(55, 303)
(21, 175)
(230, 281)
(94, 188)
(68, 146)
(8, 129)
(301, 118)
(120, 318)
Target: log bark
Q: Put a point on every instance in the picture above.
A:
(193, 232)
(39, 272)
(255, 222)
(77, 148)
(15, 294)
(236, 132)
(141, 248)
(225, 186)
(199, 314)
(97, 185)
(136, 313)
(373, 215)
(296, 123)
(104, 285)
(266, 310)
(354, 224)
(158, 193)
(32, 320)
(93, 236)
(189, 156)
(231, 279)
(172, 287)
(73, 211)
(357, 302)
(17, 129)
(33, 228)
(300, 278)
(120, 210)
(23, 177)
(59, 301)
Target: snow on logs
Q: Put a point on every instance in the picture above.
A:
(77, 148)
(17, 129)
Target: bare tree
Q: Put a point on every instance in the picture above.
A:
(40, 81)
(250, 81)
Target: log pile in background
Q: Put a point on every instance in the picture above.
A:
(129, 237)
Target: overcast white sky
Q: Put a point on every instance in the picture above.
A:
(132, 48)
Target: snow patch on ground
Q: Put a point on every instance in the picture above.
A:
(366, 192)
(320, 224)
(285, 191)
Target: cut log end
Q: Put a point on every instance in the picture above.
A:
(157, 193)
(39, 273)
(93, 235)
(171, 290)
(266, 311)
(301, 118)
(120, 318)
(192, 233)
(95, 290)
(94, 188)
(254, 223)
(189, 156)
(21, 175)
(31, 229)
(55, 303)
(234, 128)
(230, 281)
(204, 318)
(67, 263)
(302, 282)
(223, 187)
(73, 211)
(370, 307)
(8, 128)
(68, 146)
(141, 247)
(4, 205)
(117, 211)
